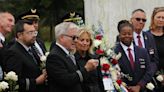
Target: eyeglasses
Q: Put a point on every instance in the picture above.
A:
(139, 19)
(73, 37)
(35, 33)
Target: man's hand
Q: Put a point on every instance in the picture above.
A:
(42, 78)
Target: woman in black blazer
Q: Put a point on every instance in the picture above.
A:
(82, 55)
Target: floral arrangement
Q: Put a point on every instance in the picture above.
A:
(43, 59)
(3, 86)
(108, 61)
(10, 83)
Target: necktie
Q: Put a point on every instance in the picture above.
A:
(73, 58)
(139, 41)
(32, 55)
(131, 58)
(37, 51)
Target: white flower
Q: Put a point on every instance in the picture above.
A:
(150, 86)
(11, 76)
(43, 58)
(109, 52)
(159, 78)
(114, 75)
(103, 60)
(111, 69)
(3, 85)
(118, 56)
(117, 67)
(47, 53)
(96, 43)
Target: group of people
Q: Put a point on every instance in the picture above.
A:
(141, 50)
(20, 54)
(72, 66)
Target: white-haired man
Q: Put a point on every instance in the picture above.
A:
(64, 75)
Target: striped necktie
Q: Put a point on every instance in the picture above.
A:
(37, 50)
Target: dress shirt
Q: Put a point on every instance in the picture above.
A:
(126, 51)
(136, 39)
(39, 48)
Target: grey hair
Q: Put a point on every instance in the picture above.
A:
(63, 28)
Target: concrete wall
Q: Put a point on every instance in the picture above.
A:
(109, 12)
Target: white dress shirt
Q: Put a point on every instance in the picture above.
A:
(136, 39)
(126, 51)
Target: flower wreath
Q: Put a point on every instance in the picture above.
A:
(108, 60)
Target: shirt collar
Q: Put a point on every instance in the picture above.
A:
(26, 47)
(2, 37)
(63, 48)
(126, 47)
(136, 34)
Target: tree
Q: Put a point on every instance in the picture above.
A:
(51, 11)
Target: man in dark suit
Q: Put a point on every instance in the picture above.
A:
(144, 39)
(7, 23)
(73, 17)
(135, 61)
(22, 60)
(64, 74)
(33, 17)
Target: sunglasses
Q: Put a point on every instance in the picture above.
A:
(73, 37)
(139, 19)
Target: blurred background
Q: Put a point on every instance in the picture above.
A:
(50, 11)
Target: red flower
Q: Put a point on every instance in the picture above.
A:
(114, 61)
(105, 67)
(99, 37)
(119, 82)
(99, 52)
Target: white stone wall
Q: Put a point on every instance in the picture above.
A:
(109, 12)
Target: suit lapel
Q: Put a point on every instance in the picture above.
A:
(124, 61)
(136, 51)
(145, 39)
(64, 56)
(27, 55)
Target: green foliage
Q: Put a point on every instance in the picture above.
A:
(51, 11)
(47, 44)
